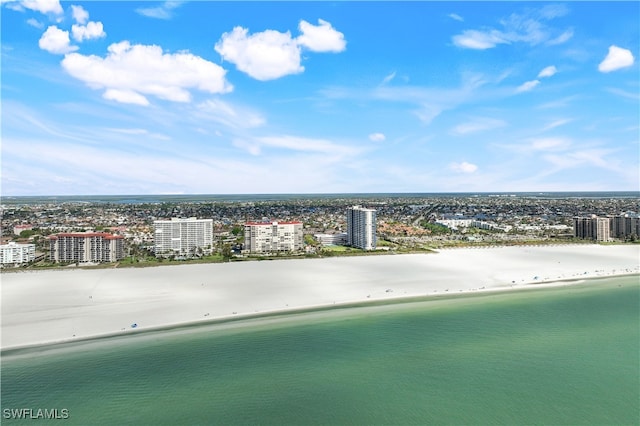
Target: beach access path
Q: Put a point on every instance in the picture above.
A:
(48, 306)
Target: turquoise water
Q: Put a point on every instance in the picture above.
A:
(566, 355)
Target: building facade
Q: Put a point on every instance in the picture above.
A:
(593, 228)
(361, 228)
(17, 254)
(86, 247)
(183, 237)
(270, 237)
(625, 226)
(17, 230)
(331, 239)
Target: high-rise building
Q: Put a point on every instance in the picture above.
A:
(86, 247)
(594, 228)
(625, 225)
(183, 237)
(361, 228)
(269, 237)
(17, 254)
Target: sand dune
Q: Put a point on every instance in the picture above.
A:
(58, 305)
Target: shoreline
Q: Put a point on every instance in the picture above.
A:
(50, 318)
(290, 312)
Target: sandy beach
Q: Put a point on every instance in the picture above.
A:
(40, 307)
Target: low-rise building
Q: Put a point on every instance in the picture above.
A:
(17, 229)
(17, 254)
(271, 237)
(86, 247)
(331, 239)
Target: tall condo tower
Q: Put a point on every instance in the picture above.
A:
(361, 228)
(183, 236)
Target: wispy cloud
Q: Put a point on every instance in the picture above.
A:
(625, 94)
(35, 23)
(295, 143)
(548, 72)
(231, 116)
(478, 124)
(164, 11)
(377, 137)
(529, 27)
(527, 86)
(456, 17)
(463, 167)
(389, 77)
(426, 103)
(556, 123)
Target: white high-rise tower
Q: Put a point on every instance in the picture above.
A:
(361, 228)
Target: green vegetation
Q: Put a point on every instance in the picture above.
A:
(309, 240)
(435, 228)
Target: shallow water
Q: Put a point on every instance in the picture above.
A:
(566, 355)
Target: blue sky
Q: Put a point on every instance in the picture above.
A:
(295, 97)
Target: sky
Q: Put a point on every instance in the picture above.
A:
(204, 97)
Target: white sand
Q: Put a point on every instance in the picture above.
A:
(58, 305)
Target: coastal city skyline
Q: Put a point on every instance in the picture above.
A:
(221, 98)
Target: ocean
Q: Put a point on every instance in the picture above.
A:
(564, 356)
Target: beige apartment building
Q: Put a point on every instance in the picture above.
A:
(86, 247)
(594, 228)
(270, 237)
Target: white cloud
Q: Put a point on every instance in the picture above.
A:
(463, 167)
(43, 6)
(125, 97)
(80, 15)
(54, 40)
(528, 85)
(264, 56)
(478, 125)
(321, 38)
(472, 39)
(91, 30)
(270, 54)
(129, 72)
(35, 23)
(616, 59)
(547, 72)
(456, 17)
(377, 137)
(165, 11)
